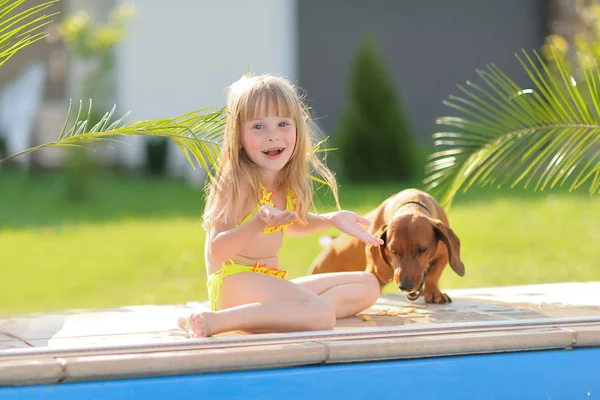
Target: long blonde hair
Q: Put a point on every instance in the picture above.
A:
(237, 180)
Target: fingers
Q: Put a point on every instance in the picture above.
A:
(355, 217)
(294, 216)
(276, 217)
(286, 217)
(366, 237)
(369, 239)
(358, 232)
(363, 221)
(266, 212)
(283, 217)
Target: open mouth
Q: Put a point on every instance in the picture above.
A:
(412, 296)
(415, 294)
(274, 152)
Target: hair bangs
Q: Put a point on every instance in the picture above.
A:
(265, 100)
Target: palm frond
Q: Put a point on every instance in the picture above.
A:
(545, 135)
(318, 149)
(19, 29)
(198, 134)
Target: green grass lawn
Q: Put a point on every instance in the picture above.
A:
(139, 240)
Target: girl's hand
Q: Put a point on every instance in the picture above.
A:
(274, 217)
(350, 223)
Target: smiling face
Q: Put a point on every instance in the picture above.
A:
(269, 140)
(266, 140)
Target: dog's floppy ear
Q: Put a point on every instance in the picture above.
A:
(377, 261)
(446, 235)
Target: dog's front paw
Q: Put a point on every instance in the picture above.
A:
(436, 296)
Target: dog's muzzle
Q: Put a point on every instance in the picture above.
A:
(413, 296)
(409, 293)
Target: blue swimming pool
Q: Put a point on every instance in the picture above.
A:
(552, 374)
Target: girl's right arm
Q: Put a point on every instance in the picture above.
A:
(226, 240)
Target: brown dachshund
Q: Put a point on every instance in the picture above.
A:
(418, 245)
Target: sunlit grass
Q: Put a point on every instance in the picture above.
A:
(139, 241)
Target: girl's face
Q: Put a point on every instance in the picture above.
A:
(269, 141)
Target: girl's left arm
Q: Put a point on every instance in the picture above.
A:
(346, 221)
(314, 223)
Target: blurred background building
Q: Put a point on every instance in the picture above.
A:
(179, 56)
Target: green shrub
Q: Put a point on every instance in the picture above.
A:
(156, 155)
(375, 142)
(3, 147)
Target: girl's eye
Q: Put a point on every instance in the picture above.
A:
(394, 252)
(283, 124)
(421, 251)
(258, 126)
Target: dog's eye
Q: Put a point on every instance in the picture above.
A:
(421, 251)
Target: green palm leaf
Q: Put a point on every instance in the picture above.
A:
(20, 29)
(198, 134)
(543, 136)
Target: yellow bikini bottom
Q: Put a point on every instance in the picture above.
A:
(215, 280)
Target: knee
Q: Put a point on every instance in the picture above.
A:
(322, 315)
(372, 288)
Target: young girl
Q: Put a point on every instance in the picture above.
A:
(262, 189)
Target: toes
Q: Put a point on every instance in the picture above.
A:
(199, 326)
(183, 323)
(437, 298)
(443, 298)
(194, 326)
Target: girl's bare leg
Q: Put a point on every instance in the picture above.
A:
(260, 303)
(348, 292)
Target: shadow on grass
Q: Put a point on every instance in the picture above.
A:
(40, 200)
(35, 200)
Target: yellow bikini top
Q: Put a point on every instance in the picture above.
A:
(265, 198)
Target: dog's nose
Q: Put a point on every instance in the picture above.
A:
(406, 286)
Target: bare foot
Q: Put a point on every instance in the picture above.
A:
(194, 325)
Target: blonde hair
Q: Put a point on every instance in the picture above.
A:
(237, 180)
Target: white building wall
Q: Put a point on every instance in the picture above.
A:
(180, 55)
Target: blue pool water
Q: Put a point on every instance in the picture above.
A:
(555, 374)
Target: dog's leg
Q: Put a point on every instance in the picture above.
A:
(432, 292)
